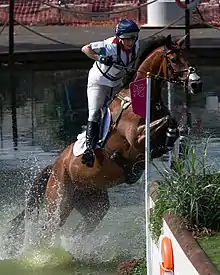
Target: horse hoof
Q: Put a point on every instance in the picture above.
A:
(158, 152)
(131, 180)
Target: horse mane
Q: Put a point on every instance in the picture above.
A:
(147, 46)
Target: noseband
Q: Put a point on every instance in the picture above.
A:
(176, 74)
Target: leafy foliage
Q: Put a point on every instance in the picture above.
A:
(140, 269)
(191, 190)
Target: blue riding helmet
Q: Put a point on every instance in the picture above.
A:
(127, 29)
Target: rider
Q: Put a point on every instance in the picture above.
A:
(113, 59)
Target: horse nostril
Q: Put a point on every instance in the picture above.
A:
(194, 85)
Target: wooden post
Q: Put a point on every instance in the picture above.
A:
(1, 120)
(12, 86)
(187, 26)
(187, 41)
(139, 11)
(184, 132)
(31, 87)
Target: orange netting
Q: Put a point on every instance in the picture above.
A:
(72, 12)
(75, 12)
(208, 11)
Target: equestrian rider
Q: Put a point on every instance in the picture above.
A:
(105, 78)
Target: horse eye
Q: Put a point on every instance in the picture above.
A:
(174, 60)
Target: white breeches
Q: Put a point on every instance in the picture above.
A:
(98, 96)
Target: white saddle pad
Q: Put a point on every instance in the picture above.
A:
(80, 144)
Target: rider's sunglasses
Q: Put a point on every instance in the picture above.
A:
(130, 38)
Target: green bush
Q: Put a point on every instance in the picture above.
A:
(191, 191)
(140, 269)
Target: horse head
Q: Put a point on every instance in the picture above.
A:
(168, 62)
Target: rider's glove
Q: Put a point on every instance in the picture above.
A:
(106, 60)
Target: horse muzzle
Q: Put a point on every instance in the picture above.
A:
(194, 82)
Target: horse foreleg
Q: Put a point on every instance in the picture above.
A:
(34, 200)
(132, 170)
(36, 192)
(93, 205)
(59, 201)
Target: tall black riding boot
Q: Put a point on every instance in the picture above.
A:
(92, 133)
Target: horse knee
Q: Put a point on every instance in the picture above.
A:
(100, 209)
(94, 219)
(65, 210)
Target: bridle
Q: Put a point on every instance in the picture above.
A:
(170, 68)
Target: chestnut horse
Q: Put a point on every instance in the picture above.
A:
(68, 184)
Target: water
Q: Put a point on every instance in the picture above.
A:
(51, 110)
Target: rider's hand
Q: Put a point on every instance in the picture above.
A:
(106, 60)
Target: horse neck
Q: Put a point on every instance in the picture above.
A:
(156, 65)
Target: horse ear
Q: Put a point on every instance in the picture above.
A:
(181, 41)
(169, 39)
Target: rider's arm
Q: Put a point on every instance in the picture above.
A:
(87, 49)
(96, 49)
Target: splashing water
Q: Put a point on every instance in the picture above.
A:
(121, 235)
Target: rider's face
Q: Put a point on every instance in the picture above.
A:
(128, 43)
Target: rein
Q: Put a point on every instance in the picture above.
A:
(125, 103)
(175, 74)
